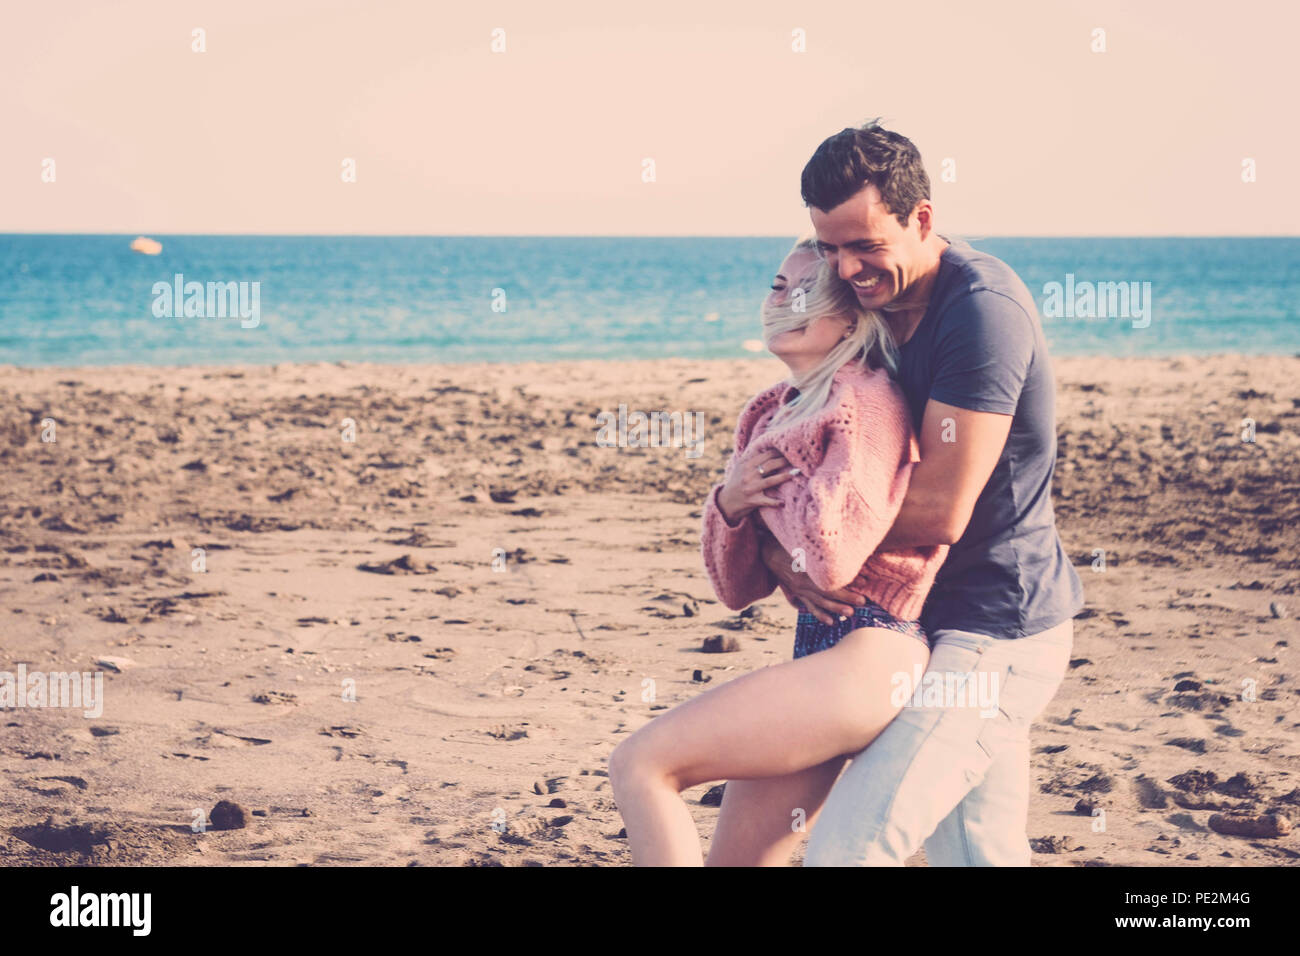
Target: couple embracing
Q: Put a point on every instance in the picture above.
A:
(896, 487)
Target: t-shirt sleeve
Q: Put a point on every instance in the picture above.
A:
(984, 353)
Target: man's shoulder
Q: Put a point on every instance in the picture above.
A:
(972, 272)
(980, 289)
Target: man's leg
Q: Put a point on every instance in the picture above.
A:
(896, 792)
(987, 828)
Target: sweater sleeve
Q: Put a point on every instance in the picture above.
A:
(732, 553)
(733, 558)
(840, 510)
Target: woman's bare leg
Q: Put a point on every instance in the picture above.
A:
(769, 723)
(757, 822)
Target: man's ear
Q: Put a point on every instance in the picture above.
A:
(924, 216)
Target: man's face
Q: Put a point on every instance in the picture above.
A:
(869, 248)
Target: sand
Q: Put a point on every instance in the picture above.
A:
(497, 591)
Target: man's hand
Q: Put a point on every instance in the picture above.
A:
(824, 605)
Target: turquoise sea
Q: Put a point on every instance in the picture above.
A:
(89, 300)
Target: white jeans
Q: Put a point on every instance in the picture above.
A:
(953, 775)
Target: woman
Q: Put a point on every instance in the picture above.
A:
(821, 462)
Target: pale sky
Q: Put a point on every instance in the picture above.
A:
(1046, 136)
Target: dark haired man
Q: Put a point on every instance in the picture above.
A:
(951, 771)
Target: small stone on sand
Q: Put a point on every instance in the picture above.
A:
(720, 644)
(227, 815)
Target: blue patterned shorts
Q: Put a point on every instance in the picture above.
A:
(811, 635)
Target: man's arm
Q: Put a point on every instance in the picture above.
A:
(982, 357)
(941, 496)
(981, 360)
(959, 450)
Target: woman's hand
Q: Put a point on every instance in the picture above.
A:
(747, 487)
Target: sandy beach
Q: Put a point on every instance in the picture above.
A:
(418, 647)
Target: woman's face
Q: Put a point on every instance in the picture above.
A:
(802, 349)
(798, 268)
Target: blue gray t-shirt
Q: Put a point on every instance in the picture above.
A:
(980, 346)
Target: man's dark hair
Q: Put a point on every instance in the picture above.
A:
(853, 158)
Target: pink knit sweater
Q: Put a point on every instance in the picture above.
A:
(856, 457)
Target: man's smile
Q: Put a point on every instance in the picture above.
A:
(867, 286)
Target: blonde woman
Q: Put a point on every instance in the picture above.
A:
(821, 462)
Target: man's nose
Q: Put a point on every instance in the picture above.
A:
(846, 266)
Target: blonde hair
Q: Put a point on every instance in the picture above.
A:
(868, 342)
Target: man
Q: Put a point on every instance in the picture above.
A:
(950, 771)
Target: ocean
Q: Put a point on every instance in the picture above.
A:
(69, 300)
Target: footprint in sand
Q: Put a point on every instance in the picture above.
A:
(1150, 795)
(406, 564)
(224, 738)
(1201, 701)
(275, 697)
(418, 539)
(66, 838)
(343, 730)
(505, 732)
(673, 604)
(1085, 778)
(56, 786)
